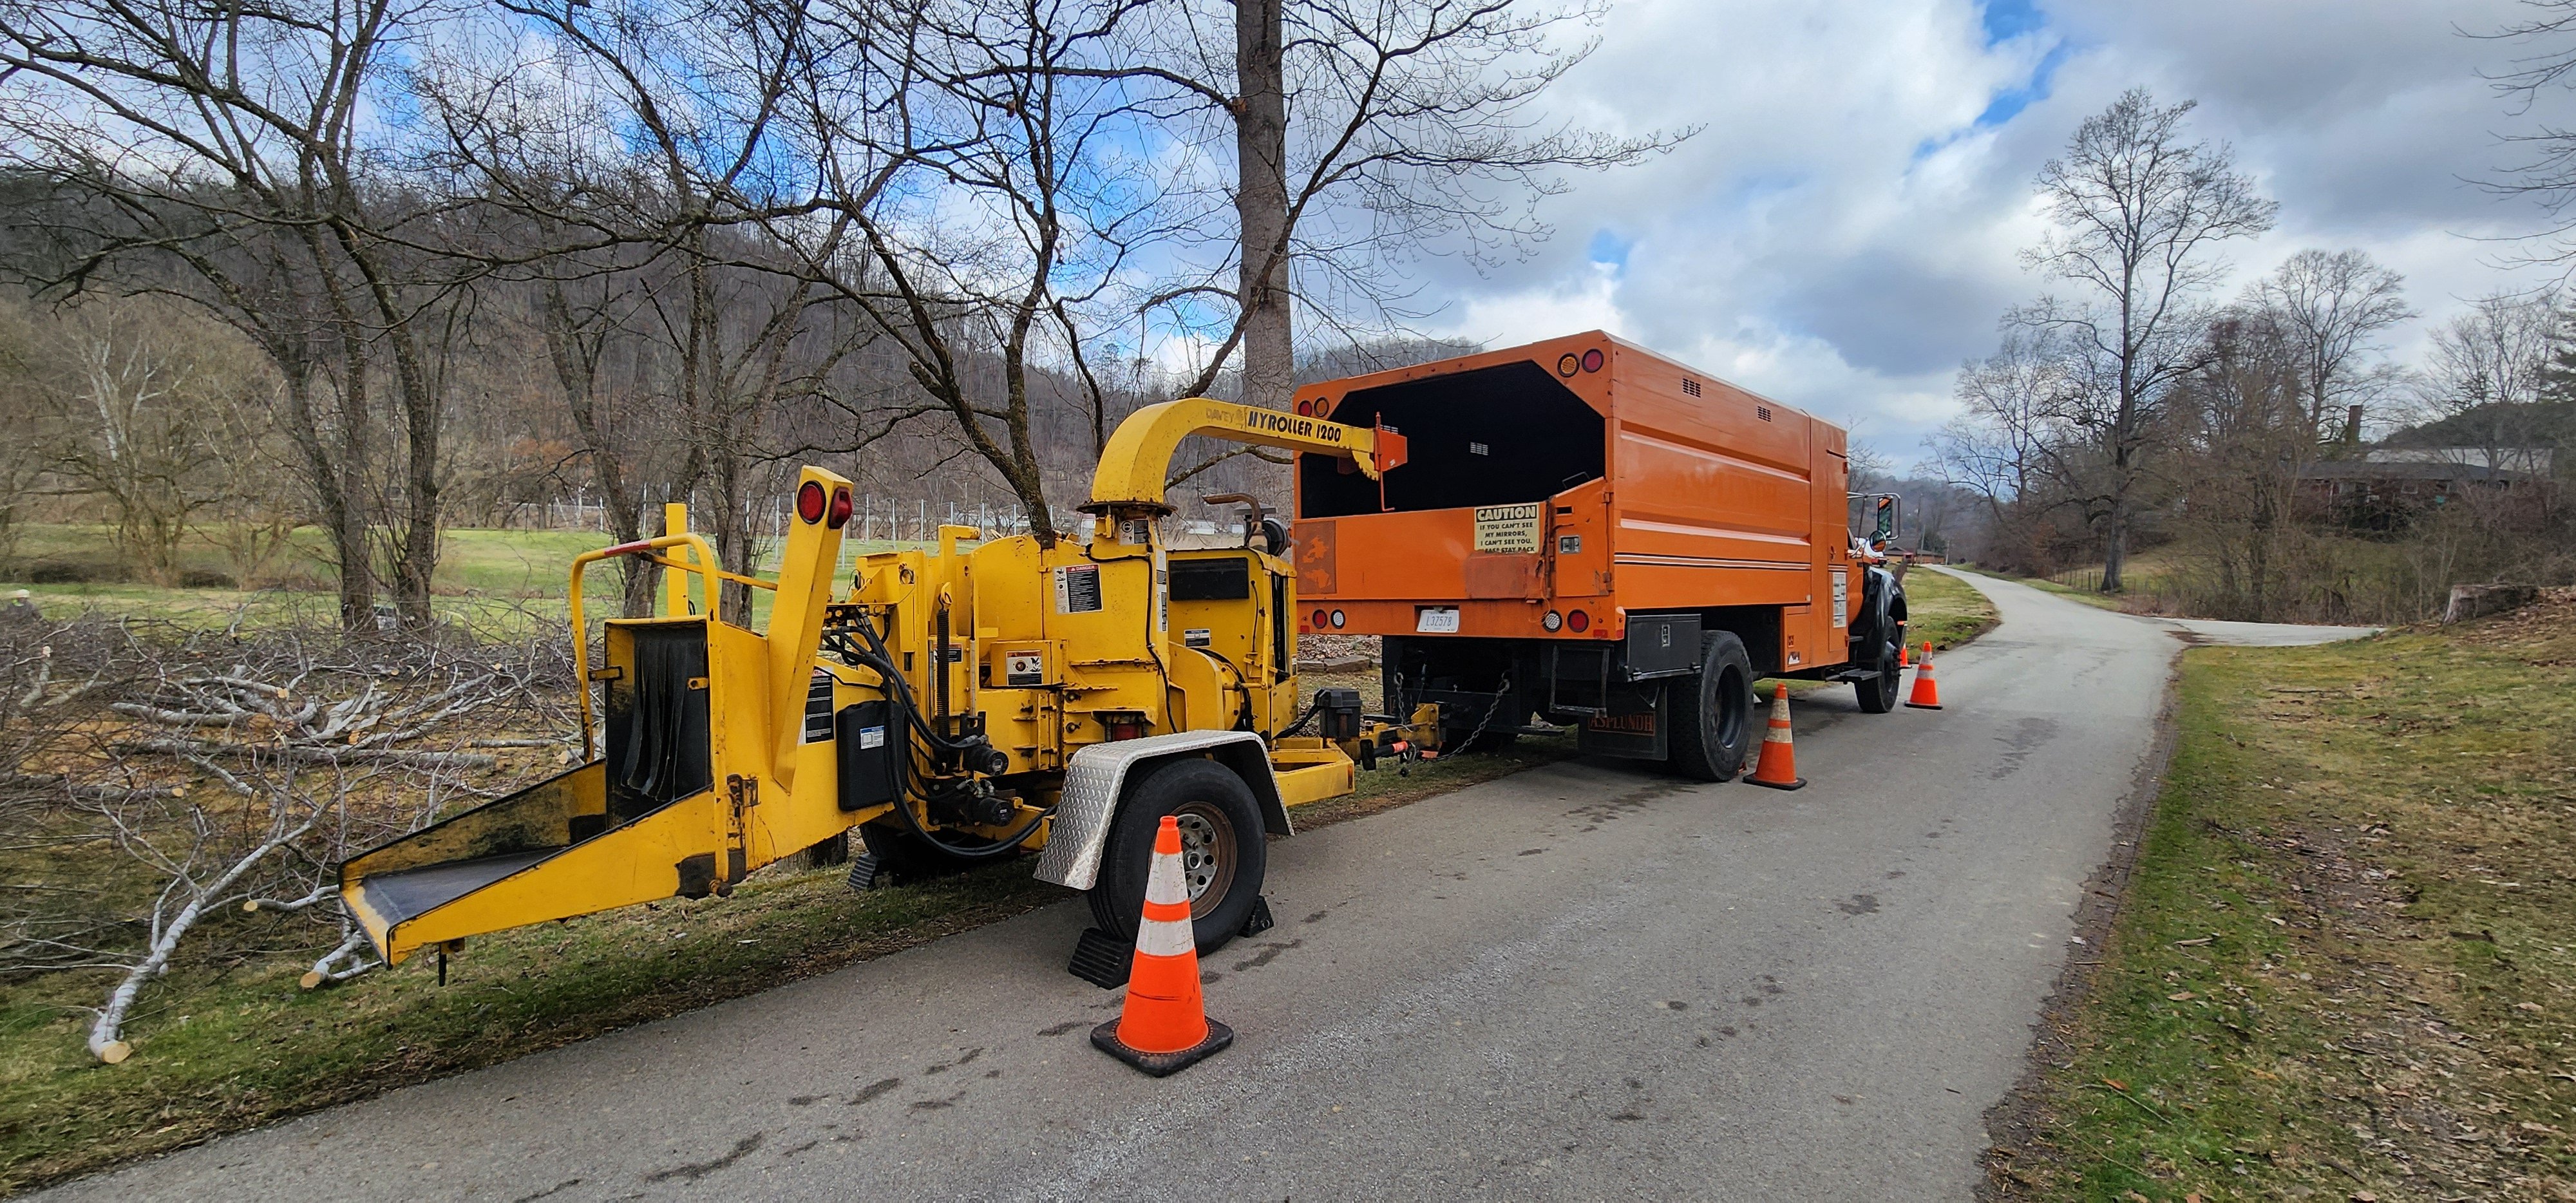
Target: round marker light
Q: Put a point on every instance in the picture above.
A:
(1592, 360)
(809, 502)
(1317, 619)
(1338, 619)
(1578, 621)
(1567, 364)
(1306, 407)
(838, 515)
(1551, 620)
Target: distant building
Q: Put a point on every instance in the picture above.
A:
(2384, 488)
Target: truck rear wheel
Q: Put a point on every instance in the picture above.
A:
(1878, 694)
(1712, 714)
(1223, 853)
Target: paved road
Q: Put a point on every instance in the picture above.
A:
(2254, 634)
(1578, 982)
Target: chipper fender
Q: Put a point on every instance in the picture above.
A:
(1096, 780)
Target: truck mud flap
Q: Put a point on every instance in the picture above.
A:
(1635, 727)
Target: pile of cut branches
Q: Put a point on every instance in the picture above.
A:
(155, 778)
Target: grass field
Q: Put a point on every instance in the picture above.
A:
(491, 579)
(2342, 969)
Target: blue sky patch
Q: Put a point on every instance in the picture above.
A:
(2005, 20)
(1610, 248)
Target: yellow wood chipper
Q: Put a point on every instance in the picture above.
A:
(956, 704)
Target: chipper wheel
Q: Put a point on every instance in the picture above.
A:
(1223, 854)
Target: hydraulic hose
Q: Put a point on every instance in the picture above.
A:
(882, 661)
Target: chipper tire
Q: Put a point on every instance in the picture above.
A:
(1223, 852)
(1878, 694)
(1712, 714)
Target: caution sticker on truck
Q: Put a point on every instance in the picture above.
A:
(1508, 529)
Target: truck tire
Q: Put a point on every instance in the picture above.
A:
(1223, 852)
(1712, 714)
(1878, 694)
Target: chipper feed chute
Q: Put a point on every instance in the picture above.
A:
(674, 806)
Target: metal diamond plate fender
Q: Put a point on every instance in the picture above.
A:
(1098, 776)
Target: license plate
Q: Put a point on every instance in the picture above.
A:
(1436, 620)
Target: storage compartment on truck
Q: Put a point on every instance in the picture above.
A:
(1492, 436)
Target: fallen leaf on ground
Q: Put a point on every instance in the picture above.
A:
(2184, 996)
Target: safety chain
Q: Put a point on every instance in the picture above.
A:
(1500, 692)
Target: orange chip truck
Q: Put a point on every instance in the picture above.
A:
(1593, 534)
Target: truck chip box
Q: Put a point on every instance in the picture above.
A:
(1590, 532)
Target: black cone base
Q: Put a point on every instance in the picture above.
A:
(1800, 783)
(1925, 705)
(1105, 1038)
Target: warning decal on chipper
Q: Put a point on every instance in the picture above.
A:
(1508, 529)
(1077, 589)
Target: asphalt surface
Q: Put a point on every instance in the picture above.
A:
(1579, 982)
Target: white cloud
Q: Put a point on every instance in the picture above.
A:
(1846, 230)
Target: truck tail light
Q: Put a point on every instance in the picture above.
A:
(1592, 360)
(1317, 620)
(809, 502)
(1338, 619)
(1578, 621)
(1551, 620)
(838, 515)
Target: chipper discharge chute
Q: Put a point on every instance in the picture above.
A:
(955, 703)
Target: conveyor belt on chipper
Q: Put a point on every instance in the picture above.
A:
(407, 893)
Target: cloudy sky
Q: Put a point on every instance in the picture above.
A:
(1844, 233)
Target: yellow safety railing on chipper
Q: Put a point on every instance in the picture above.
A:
(705, 568)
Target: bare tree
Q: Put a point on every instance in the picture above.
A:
(2247, 406)
(2488, 369)
(2334, 305)
(1362, 133)
(2137, 210)
(2011, 445)
(2545, 171)
(230, 156)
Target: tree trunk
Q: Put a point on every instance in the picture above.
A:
(1261, 205)
(2115, 549)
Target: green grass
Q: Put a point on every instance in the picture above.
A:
(2341, 968)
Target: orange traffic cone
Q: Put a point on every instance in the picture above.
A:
(1778, 767)
(1902, 660)
(1926, 695)
(1164, 1028)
